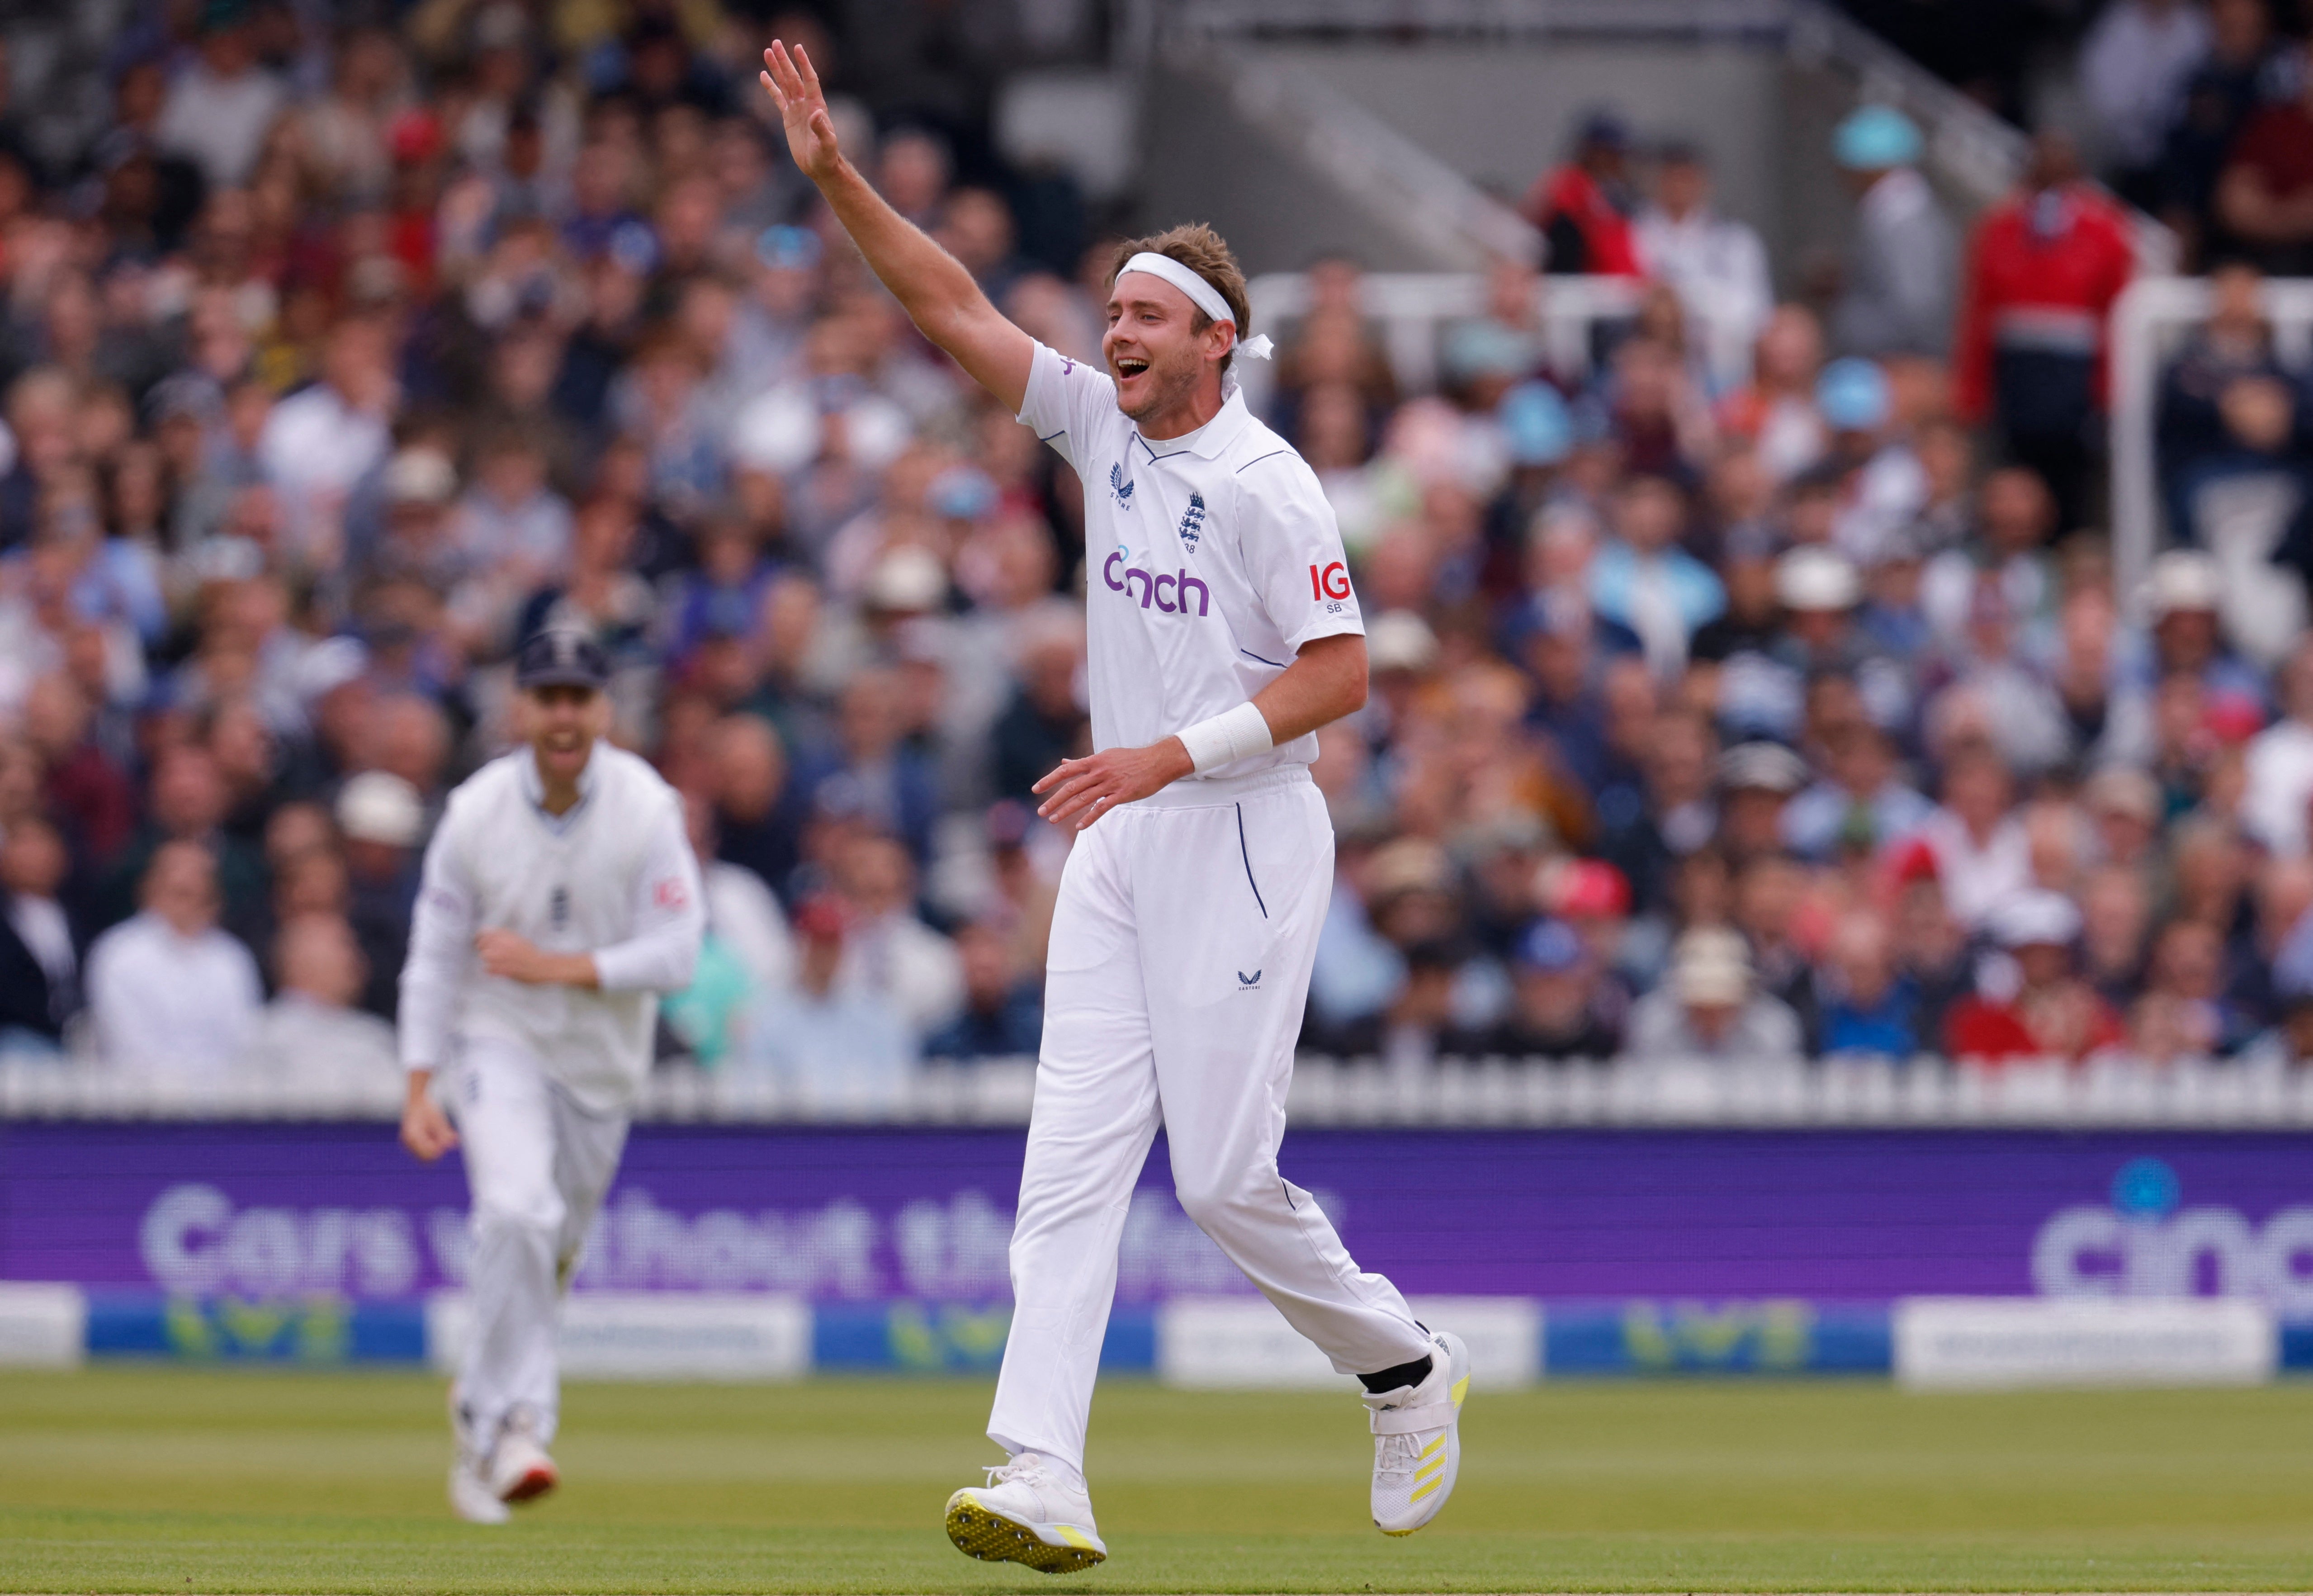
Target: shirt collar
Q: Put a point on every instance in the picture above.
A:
(533, 785)
(1207, 441)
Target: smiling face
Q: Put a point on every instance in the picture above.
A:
(564, 722)
(1164, 353)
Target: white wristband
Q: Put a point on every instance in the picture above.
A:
(1236, 734)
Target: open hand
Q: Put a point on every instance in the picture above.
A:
(1083, 790)
(794, 87)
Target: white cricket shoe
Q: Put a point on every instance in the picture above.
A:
(1417, 1441)
(1025, 1514)
(470, 1496)
(520, 1469)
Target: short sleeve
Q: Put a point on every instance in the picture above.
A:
(1067, 400)
(1293, 552)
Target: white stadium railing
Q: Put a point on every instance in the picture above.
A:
(2152, 319)
(1455, 1093)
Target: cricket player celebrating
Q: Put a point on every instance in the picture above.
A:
(1223, 633)
(560, 899)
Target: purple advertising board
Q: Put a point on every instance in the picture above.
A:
(862, 1214)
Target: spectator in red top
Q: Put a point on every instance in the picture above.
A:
(417, 143)
(85, 788)
(2052, 1013)
(2265, 195)
(1584, 207)
(2043, 270)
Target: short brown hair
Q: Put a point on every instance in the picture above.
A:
(1195, 245)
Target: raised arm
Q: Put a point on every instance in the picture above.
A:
(930, 284)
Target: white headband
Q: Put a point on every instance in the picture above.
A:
(1201, 293)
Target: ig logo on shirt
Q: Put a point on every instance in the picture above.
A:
(1330, 585)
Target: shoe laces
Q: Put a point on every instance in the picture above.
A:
(1053, 1490)
(1027, 1469)
(1396, 1454)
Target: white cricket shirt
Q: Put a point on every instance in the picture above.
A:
(1210, 558)
(614, 877)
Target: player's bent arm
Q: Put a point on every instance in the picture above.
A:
(670, 917)
(513, 957)
(669, 920)
(931, 285)
(1325, 680)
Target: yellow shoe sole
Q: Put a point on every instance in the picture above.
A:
(993, 1538)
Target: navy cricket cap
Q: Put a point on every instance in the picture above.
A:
(561, 658)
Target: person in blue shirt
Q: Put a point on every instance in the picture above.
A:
(1865, 1005)
(1643, 579)
(1003, 1013)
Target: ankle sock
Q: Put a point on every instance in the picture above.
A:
(1060, 1468)
(1404, 1374)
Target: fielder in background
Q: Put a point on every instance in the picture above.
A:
(560, 898)
(1223, 632)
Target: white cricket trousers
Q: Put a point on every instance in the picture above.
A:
(537, 1166)
(1181, 950)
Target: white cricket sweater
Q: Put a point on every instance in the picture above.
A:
(614, 878)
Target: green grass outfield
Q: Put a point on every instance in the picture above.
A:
(147, 1480)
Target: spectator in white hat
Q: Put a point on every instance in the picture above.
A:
(2036, 1007)
(383, 820)
(1819, 590)
(2124, 806)
(2184, 598)
(1709, 1009)
(1757, 781)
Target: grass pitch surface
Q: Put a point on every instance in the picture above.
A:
(176, 1480)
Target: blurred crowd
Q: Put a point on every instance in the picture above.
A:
(1758, 689)
(1764, 688)
(2202, 112)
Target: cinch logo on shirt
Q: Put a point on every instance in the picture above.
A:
(1192, 521)
(1118, 487)
(1153, 588)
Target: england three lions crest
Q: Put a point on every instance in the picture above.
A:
(1192, 522)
